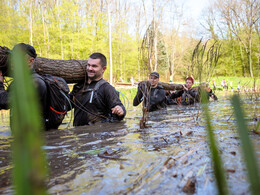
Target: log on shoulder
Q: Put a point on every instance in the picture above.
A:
(166, 86)
(171, 86)
(72, 71)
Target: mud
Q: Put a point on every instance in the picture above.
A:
(172, 156)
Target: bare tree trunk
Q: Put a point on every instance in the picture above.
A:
(59, 20)
(31, 42)
(155, 38)
(110, 44)
(44, 29)
(250, 57)
(243, 63)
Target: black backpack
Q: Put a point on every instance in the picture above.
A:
(57, 100)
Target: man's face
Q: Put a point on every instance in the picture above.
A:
(29, 61)
(189, 84)
(153, 81)
(94, 69)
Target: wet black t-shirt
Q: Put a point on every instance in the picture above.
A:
(42, 94)
(94, 105)
(153, 101)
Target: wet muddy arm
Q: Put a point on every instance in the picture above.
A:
(212, 95)
(176, 95)
(42, 92)
(76, 88)
(193, 93)
(138, 98)
(111, 99)
(4, 102)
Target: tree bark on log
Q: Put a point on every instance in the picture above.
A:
(166, 86)
(171, 86)
(72, 71)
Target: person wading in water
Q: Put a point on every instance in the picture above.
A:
(49, 121)
(95, 99)
(151, 93)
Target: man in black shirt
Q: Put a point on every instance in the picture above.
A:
(186, 96)
(30, 55)
(152, 94)
(95, 99)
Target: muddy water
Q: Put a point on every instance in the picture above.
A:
(169, 157)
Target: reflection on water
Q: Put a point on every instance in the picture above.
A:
(120, 158)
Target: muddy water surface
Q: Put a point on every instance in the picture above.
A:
(169, 157)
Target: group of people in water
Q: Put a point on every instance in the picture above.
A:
(94, 99)
(155, 97)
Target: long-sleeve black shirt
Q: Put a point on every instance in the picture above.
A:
(3, 97)
(92, 105)
(187, 97)
(40, 86)
(42, 94)
(153, 100)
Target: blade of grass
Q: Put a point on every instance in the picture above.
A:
(29, 171)
(217, 161)
(257, 126)
(247, 147)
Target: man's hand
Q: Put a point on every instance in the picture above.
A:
(118, 110)
(185, 88)
(1, 77)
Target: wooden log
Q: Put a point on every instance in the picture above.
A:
(166, 86)
(171, 86)
(72, 71)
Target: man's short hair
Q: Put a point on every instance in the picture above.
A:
(26, 48)
(100, 56)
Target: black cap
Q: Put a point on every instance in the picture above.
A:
(156, 74)
(26, 48)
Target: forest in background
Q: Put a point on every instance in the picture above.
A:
(146, 35)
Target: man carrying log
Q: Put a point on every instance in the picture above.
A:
(188, 95)
(50, 121)
(152, 93)
(95, 99)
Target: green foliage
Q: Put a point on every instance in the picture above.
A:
(247, 148)
(68, 29)
(127, 95)
(257, 126)
(217, 161)
(29, 171)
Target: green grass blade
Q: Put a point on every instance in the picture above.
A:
(257, 126)
(247, 147)
(217, 161)
(29, 171)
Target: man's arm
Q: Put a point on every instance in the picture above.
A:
(41, 91)
(176, 95)
(113, 101)
(3, 93)
(72, 94)
(139, 96)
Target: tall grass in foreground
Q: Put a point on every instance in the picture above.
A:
(28, 158)
(215, 156)
(247, 148)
